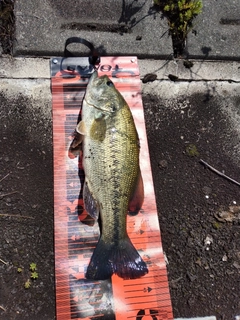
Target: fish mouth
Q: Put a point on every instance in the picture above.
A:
(87, 97)
(93, 77)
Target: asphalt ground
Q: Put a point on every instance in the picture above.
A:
(123, 28)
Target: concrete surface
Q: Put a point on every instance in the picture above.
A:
(52, 22)
(22, 67)
(43, 26)
(217, 30)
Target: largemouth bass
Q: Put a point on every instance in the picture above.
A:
(113, 183)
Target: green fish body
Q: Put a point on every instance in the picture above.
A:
(113, 183)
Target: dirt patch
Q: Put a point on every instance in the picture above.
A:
(203, 251)
(26, 210)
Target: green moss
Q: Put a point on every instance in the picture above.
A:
(27, 284)
(33, 266)
(192, 151)
(34, 275)
(19, 270)
(216, 225)
(180, 15)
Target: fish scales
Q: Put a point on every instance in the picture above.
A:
(113, 178)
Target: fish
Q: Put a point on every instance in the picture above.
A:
(113, 183)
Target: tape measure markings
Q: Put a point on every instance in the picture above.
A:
(77, 250)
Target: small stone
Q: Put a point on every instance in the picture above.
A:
(191, 277)
(229, 272)
(225, 216)
(207, 242)
(224, 258)
(188, 64)
(149, 77)
(172, 77)
(198, 262)
(13, 291)
(206, 190)
(163, 164)
(236, 264)
(234, 209)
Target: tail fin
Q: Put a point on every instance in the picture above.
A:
(121, 258)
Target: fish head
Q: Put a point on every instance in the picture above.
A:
(102, 94)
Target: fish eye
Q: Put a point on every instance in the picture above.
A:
(109, 83)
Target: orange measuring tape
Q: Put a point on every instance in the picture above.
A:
(113, 299)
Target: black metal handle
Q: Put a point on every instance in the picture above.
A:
(94, 57)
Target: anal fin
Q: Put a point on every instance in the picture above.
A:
(90, 204)
(137, 197)
(81, 128)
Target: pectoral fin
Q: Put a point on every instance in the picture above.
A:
(90, 204)
(75, 146)
(137, 198)
(98, 129)
(81, 128)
